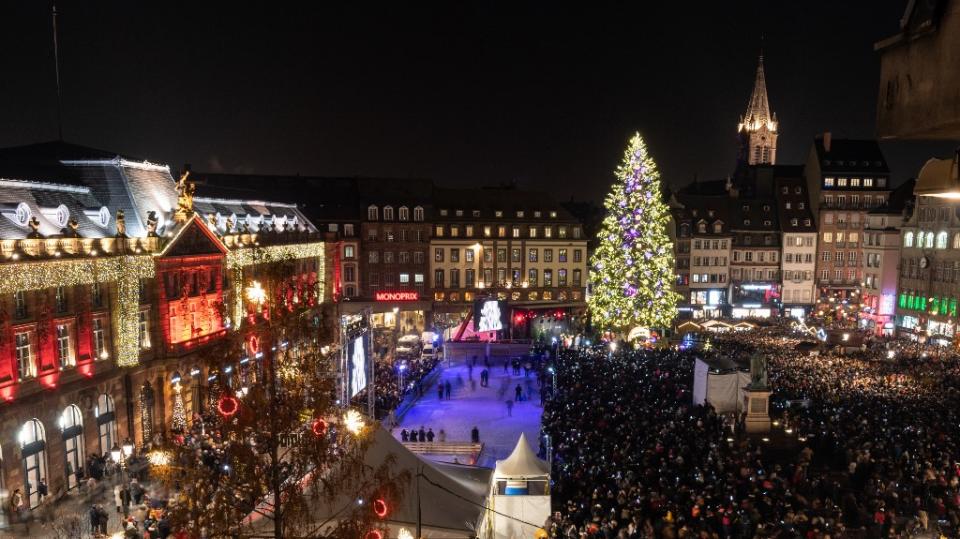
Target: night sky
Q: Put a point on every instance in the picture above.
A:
(465, 94)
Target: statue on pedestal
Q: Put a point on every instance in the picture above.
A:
(758, 371)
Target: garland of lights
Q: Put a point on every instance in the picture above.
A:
(241, 258)
(125, 270)
(227, 406)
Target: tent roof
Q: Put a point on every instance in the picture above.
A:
(523, 462)
(452, 496)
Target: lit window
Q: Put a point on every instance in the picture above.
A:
(498, 213)
(417, 213)
(438, 231)
(553, 215)
(348, 251)
(520, 214)
(404, 278)
(942, 240)
(828, 182)
(26, 367)
(144, 330)
(20, 304)
(533, 232)
(487, 231)
(516, 231)
(99, 340)
(64, 354)
(372, 213)
(841, 182)
(388, 213)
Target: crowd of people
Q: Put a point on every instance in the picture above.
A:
(388, 377)
(873, 452)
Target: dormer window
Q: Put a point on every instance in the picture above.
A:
(388, 213)
(766, 207)
(443, 213)
(23, 214)
(536, 214)
(717, 228)
(372, 213)
(418, 213)
(520, 214)
(768, 223)
(104, 216)
(476, 213)
(746, 222)
(702, 227)
(459, 213)
(553, 215)
(498, 213)
(404, 213)
(746, 208)
(62, 216)
(710, 214)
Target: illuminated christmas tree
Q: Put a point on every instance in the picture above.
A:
(633, 265)
(179, 413)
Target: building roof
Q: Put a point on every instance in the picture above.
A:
(758, 109)
(850, 156)
(787, 181)
(490, 200)
(899, 199)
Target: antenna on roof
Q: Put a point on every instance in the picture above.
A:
(56, 60)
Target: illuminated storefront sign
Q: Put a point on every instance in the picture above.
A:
(397, 296)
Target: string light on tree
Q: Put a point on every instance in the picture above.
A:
(633, 264)
(179, 413)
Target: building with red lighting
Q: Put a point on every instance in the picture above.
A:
(116, 276)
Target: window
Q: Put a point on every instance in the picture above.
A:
(553, 215)
(388, 213)
(562, 277)
(468, 255)
(405, 278)
(20, 304)
(929, 241)
(868, 182)
(418, 279)
(516, 232)
(144, 330)
(388, 235)
(854, 182)
(562, 231)
(458, 213)
(99, 340)
(942, 240)
(64, 355)
(403, 213)
(498, 213)
(389, 278)
(348, 251)
(60, 299)
(501, 276)
(533, 232)
(502, 231)
(26, 368)
(547, 232)
(349, 274)
(372, 234)
(454, 255)
(454, 278)
(801, 205)
(828, 237)
(388, 257)
(532, 257)
(562, 255)
(418, 257)
(417, 213)
(841, 182)
(537, 214)
(438, 254)
(577, 278)
(502, 255)
(794, 222)
(468, 231)
(547, 277)
(438, 278)
(443, 213)
(548, 255)
(374, 278)
(469, 277)
(515, 255)
(488, 255)
(532, 277)
(487, 231)
(576, 232)
(373, 257)
(372, 213)
(348, 230)
(438, 231)
(577, 255)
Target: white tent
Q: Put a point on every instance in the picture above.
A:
(451, 497)
(721, 383)
(519, 494)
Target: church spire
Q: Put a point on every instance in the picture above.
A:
(758, 127)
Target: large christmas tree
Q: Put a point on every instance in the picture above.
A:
(633, 264)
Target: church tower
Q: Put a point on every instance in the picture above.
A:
(758, 128)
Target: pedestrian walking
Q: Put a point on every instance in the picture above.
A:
(440, 391)
(404, 436)
(509, 408)
(475, 435)
(430, 435)
(117, 497)
(518, 393)
(447, 389)
(422, 434)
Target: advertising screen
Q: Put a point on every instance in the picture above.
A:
(489, 315)
(358, 366)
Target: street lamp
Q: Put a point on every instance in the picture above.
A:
(120, 454)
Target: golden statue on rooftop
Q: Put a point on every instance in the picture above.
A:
(185, 190)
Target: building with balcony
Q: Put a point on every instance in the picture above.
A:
(799, 232)
(929, 286)
(881, 260)
(513, 245)
(116, 277)
(847, 179)
(703, 225)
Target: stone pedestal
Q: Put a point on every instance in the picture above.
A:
(757, 405)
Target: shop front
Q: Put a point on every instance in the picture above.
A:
(755, 300)
(708, 303)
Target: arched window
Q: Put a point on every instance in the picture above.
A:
(908, 239)
(404, 213)
(388, 213)
(372, 213)
(942, 240)
(417, 213)
(929, 243)
(71, 428)
(106, 423)
(33, 447)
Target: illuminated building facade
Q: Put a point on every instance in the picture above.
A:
(114, 276)
(757, 129)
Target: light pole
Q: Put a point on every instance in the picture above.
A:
(120, 455)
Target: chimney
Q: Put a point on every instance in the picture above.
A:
(826, 141)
